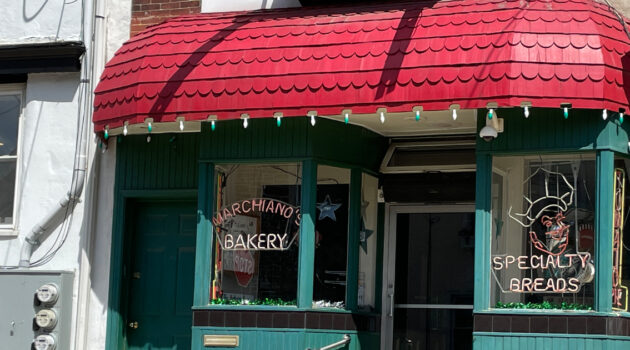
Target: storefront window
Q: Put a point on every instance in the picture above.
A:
(367, 242)
(543, 214)
(256, 228)
(331, 237)
(621, 236)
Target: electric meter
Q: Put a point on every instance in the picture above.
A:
(48, 294)
(46, 318)
(45, 342)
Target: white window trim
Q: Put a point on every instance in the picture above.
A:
(13, 89)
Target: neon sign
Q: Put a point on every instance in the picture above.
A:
(620, 293)
(237, 225)
(554, 267)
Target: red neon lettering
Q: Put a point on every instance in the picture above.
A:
(257, 204)
(243, 206)
(269, 208)
(279, 208)
(236, 208)
(218, 220)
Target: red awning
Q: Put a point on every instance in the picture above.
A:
(397, 56)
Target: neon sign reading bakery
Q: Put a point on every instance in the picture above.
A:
(238, 225)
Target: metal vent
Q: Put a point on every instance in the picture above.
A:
(451, 155)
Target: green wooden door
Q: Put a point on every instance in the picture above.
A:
(161, 272)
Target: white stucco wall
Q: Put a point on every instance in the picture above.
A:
(37, 21)
(117, 23)
(47, 137)
(241, 5)
(48, 130)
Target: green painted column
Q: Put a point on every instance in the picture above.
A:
(483, 231)
(203, 252)
(354, 226)
(380, 239)
(603, 230)
(306, 263)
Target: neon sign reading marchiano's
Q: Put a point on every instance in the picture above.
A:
(233, 225)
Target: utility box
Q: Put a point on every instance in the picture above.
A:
(35, 309)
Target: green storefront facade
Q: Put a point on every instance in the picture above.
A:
(180, 168)
(423, 175)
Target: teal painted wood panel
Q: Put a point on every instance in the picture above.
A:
(548, 342)
(296, 139)
(482, 232)
(546, 130)
(306, 263)
(287, 339)
(161, 294)
(169, 161)
(604, 202)
(205, 234)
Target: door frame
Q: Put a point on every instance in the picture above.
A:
(389, 258)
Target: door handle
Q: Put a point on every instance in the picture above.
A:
(391, 304)
(133, 324)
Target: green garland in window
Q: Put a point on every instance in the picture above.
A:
(545, 305)
(266, 301)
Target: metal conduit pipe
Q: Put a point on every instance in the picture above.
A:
(67, 204)
(57, 215)
(345, 340)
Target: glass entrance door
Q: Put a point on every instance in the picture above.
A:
(428, 294)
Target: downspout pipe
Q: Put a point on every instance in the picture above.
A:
(57, 215)
(66, 205)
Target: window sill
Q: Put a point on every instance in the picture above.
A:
(541, 312)
(267, 308)
(8, 232)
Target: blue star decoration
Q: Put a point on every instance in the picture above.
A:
(327, 209)
(364, 234)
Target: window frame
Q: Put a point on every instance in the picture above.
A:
(11, 230)
(491, 169)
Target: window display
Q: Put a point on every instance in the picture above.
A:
(256, 227)
(621, 238)
(331, 237)
(543, 213)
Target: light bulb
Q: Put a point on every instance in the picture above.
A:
(312, 120)
(212, 125)
(417, 116)
(106, 134)
(620, 117)
(125, 131)
(454, 114)
(382, 117)
(181, 125)
(278, 121)
(490, 113)
(150, 127)
(346, 118)
(566, 113)
(526, 111)
(605, 114)
(245, 124)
